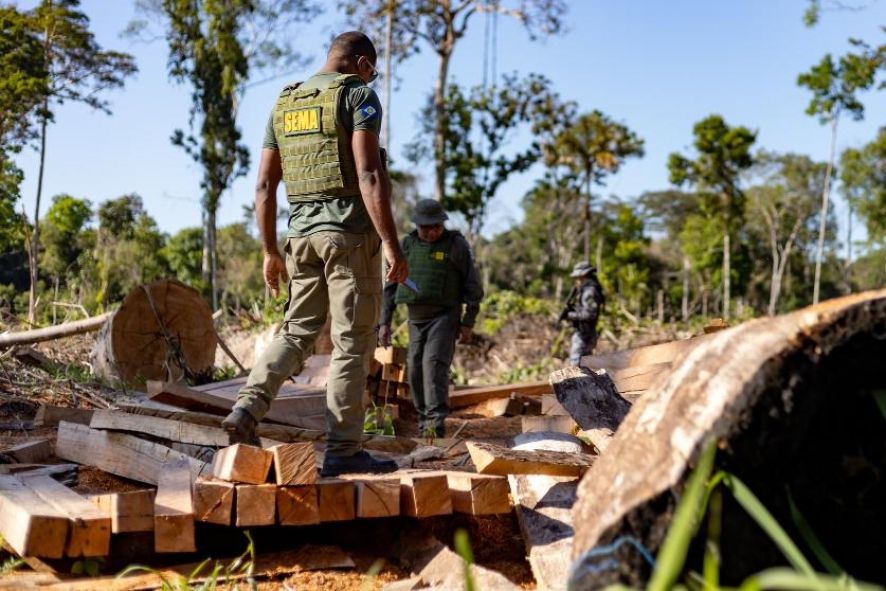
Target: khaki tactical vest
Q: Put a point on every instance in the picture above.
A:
(315, 149)
(431, 267)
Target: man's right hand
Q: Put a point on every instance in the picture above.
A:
(384, 335)
(274, 270)
(398, 269)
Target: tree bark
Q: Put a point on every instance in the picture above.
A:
(822, 224)
(587, 216)
(209, 264)
(34, 250)
(445, 53)
(726, 270)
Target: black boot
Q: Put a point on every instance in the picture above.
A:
(240, 426)
(359, 463)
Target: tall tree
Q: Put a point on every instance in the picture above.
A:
(864, 181)
(722, 152)
(441, 24)
(214, 45)
(62, 246)
(834, 87)
(785, 202)
(594, 147)
(77, 70)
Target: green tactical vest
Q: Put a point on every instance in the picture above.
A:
(315, 150)
(431, 267)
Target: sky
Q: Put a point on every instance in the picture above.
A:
(657, 67)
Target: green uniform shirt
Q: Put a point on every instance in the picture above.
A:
(361, 111)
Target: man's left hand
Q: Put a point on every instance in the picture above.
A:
(464, 335)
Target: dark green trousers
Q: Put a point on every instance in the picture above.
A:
(431, 346)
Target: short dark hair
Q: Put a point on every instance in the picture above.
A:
(353, 43)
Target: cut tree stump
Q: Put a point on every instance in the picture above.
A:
(28, 523)
(590, 398)
(242, 463)
(174, 509)
(297, 505)
(294, 464)
(214, 501)
(256, 505)
(161, 327)
(494, 459)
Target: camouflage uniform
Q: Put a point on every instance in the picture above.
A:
(585, 312)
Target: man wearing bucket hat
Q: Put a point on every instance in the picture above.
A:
(443, 279)
(583, 310)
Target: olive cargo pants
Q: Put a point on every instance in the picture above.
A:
(431, 347)
(332, 272)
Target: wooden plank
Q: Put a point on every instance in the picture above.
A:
(50, 416)
(478, 494)
(298, 505)
(33, 451)
(242, 463)
(551, 407)
(378, 497)
(336, 499)
(89, 529)
(256, 504)
(468, 396)
(649, 355)
(591, 398)
(424, 495)
(214, 501)
(174, 509)
(64, 473)
(131, 511)
(396, 355)
(555, 423)
(118, 453)
(30, 525)
(544, 513)
(178, 431)
(294, 463)
(494, 459)
(304, 410)
(640, 377)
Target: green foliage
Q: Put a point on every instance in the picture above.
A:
(864, 183)
(835, 85)
(64, 239)
(498, 308)
(528, 373)
(90, 567)
(379, 420)
(184, 255)
(23, 77)
(463, 549)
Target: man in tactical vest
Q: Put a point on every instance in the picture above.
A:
(583, 308)
(322, 141)
(443, 278)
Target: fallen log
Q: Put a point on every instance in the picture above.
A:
(162, 330)
(767, 391)
(590, 398)
(50, 333)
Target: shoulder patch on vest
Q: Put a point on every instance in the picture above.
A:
(301, 121)
(368, 112)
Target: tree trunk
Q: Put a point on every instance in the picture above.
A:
(823, 222)
(389, 41)
(684, 307)
(726, 269)
(848, 266)
(599, 257)
(209, 265)
(587, 217)
(440, 121)
(34, 251)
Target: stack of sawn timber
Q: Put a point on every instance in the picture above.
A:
(388, 378)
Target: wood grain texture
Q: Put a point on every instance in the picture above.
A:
(256, 505)
(294, 463)
(591, 398)
(30, 452)
(118, 453)
(174, 509)
(178, 431)
(476, 395)
(494, 459)
(214, 501)
(131, 511)
(298, 505)
(242, 463)
(336, 499)
(28, 523)
(478, 494)
(425, 495)
(89, 529)
(378, 497)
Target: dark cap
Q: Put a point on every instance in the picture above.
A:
(428, 212)
(582, 269)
